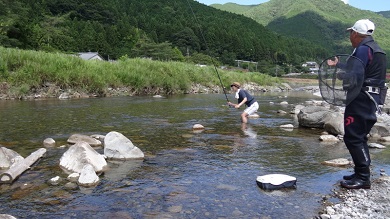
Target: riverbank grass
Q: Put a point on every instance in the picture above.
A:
(25, 70)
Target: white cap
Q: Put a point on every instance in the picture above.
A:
(363, 26)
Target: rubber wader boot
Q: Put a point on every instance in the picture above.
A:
(360, 181)
(349, 177)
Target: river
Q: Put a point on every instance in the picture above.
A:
(185, 174)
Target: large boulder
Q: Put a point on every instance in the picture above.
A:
(381, 129)
(334, 123)
(313, 116)
(117, 146)
(80, 154)
(297, 109)
(382, 126)
(8, 157)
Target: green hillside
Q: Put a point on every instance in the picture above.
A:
(321, 22)
(159, 29)
(233, 7)
(385, 14)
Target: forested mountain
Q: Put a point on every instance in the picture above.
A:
(119, 28)
(233, 7)
(385, 14)
(321, 22)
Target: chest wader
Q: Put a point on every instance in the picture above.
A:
(360, 117)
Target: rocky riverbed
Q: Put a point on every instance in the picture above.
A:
(372, 203)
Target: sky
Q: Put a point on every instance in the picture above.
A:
(372, 5)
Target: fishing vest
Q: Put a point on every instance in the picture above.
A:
(375, 71)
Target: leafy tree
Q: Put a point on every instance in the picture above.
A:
(146, 48)
(186, 40)
(202, 59)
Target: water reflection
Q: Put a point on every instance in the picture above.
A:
(248, 131)
(185, 174)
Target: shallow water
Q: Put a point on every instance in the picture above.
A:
(185, 174)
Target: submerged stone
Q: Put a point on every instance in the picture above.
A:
(339, 162)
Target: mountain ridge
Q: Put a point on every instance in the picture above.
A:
(320, 22)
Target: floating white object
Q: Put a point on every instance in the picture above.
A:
(276, 181)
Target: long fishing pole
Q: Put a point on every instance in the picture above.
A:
(208, 50)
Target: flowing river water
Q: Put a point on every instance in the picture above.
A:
(185, 174)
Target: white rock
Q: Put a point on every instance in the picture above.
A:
(73, 177)
(80, 154)
(287, 126)
(117, 146)
(73, 139)
(49, 142)
(55, 180)
(329, 138)
(337, 216)
(317, 102)
(325, 216)
(88, 176)
(6, 216)
(339, 162)
(375, 145)
(98, 137)
(64, 96)
(330, 210)
(8, 157)
(197, 126)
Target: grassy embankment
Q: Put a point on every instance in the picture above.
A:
(26, 71)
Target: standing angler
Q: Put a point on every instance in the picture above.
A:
(359, 116)
(244, 98)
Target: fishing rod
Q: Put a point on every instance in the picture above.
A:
(208, 50)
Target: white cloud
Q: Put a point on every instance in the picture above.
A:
(345, 1)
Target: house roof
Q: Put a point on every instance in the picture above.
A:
(90, 55)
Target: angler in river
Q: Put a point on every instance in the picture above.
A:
(244, 98)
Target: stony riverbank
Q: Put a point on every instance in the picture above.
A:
(8, 92)
(361, 203)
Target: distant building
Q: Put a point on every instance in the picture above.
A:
(313, 67)
(90, 56)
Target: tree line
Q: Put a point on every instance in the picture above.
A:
(180, 30)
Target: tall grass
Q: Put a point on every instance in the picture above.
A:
(35, 69)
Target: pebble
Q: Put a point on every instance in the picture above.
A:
(361, 203)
